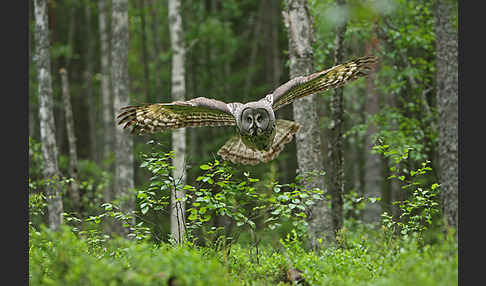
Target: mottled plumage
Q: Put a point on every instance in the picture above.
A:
(260, 137)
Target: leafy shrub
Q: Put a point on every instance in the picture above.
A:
(244, 201)
(419, 211)
(61, 258)
(366, 256)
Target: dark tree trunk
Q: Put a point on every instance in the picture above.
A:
(46, 116)
(308, 141)
(145, 52)
(88, 78)
(447, 97)
(254, 49)
(156, 45)
(373, 168)
(335, 175)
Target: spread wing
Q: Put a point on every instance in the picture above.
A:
(196, 112)
(321, 81)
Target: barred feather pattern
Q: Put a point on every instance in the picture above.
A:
(334, 77)
(236, 151)
(161, 117)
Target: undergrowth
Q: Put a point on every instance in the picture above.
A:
(363, 256)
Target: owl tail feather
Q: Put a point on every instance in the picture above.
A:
(236, 151)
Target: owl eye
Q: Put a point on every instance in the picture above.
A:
(259, 118)
(248, 119)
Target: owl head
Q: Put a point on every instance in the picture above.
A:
(256, 124)
(254, 121)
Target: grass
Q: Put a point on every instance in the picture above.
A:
(363, 256)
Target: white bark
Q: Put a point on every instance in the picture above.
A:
(46, 116)
(124, 171)
(308, 141)
(178, 136)
(108, 122)
(73, 154)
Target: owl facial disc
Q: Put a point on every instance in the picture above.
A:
(254, 121)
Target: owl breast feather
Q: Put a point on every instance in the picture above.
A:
(262, 142)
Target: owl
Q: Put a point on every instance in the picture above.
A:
(259, 136)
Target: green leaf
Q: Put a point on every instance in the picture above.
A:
(205, 167)
(193, 216)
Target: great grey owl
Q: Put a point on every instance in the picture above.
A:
(259, 138)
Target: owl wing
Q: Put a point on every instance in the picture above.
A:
(321, 81)
(158, 117)
(236, 151)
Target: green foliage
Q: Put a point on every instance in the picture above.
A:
(219, 192)
(419, 211)
(92, 182)
(62, 258)
(365, 257)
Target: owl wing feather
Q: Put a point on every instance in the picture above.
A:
(158, 117)
(236, 151)
(320, 81)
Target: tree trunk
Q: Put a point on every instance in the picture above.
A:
(46, 116)
(276, 66)
(178, 90)
(447, 97)
(32, 120)
(157, 45)
(88, 78)
(144, 52)
(124, 172)
(254, 49)
(335, 176)
(73, 154)
(107, 105)
(309, 157)
(105, 77)
(372, 178)
(373, 168)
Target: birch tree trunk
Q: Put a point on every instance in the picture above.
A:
(107, 104)
(46, 116)
(73, 154)
(124, 171)
(309, 157)
(108, 122)
(177, 214)
(447, 97)
(335, 175)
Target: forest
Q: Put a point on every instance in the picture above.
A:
(361, 190)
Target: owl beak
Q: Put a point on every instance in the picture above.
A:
(254, 130)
